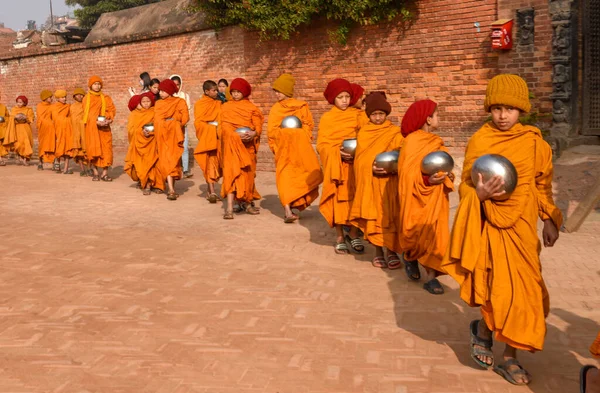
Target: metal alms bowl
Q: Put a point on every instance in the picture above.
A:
(349, 146)
(437, 161)
(2, 120)
(101, 118)
(490, 165)
(149, 127)
(213, 123)
(291, 122)
(243, 131)
(387, 160)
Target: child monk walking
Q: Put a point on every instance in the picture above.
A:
(298, 172)
(46, 132)
(19, 137)
(170, 116)
(98, 114)
(142, 155)
(79, 133)
(338, 124)
(494, 247)
(4, 113)
(239, 151)
(375, 206)
(64, 131)
(207, 152)
(424, 203)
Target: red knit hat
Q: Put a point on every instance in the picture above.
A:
(376, 102)
(416, 116)
(24, 99)
(134, 102)
(150, 95)
(356, 94)
(335, 87)
(168, 86)
(241, 85)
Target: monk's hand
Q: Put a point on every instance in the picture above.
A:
(492, 188)
(549, 233)
(379, 171)
(146, 133)
(451, 177)
(437, 178)
(346, 156)
(248, 136)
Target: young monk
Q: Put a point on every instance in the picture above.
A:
(424, 202)
(375, 206)
(98, 135)
(3, 125)
(590, 375)
(64, 130)
(298, 172)
(46, 132)
(18, 137)
(207, 152)
(79, 133)
(494, 248)
(358, 96)
(142, 155)
(340, 123)
(239, 151)
(170, 116)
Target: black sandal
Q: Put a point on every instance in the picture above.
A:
(412, 269)
(434, 287)
(106, 178)
(356, 244)
(485, 344)
(509, 375)
(95, 178)
(583, 377)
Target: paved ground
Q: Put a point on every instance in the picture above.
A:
(105, 290)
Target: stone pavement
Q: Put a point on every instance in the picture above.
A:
(105, 290)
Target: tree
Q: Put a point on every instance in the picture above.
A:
(281, 18)
(91, 10)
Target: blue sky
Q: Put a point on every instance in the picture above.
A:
(16, 15)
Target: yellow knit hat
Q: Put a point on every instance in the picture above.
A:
(45, 94)
(285, 84)
(79, 90)
(507, 89)
(60, 93)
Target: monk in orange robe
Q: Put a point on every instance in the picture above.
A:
(494, 247)
(98, 114)
(589, 376)
(207, 152)
(375, 206)
(170, 116)
(298, 172)
(61, 116)
(18, 137)
(79, 133)
(424, 202)
(46, 132)
(239, 151)
(142, 155)
(357, 102)
(336, 125)
(4, 113)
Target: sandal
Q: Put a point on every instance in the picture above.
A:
(106, 178)
(2, 163)
(212, 198)
(95, 178)
(56, 167)
(40, 167)
(69, 172)
(510, 374)
(147, 191)
(341, 248)
(583, 377)
(290, 219)
(238, 208)
(412, 269)
(252, 210)
(434, 287)
(394, 261)
(356, 244)
(481, 342)
(172, 196)
(379, 261)
(82, 173)
(157, 191)
(228, 215)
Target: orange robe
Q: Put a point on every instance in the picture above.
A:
(98, 140)
(375, 206)
(46, 132)
(497, 263)
(64, 129)
(170, 116)
(298, 172)
(4, 113)
(18, 137)
(338, 176)
(424, 209)
(207, 152)
(78, 131)
(142, 155)
(239, 159)
(595, 348)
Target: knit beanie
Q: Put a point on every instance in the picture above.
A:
(45, 94)
(335, 87)
(168, 86)
(60, 93)
(94, 79)
(376, 102)
(150, 95)
(285, 84)
(356, 93)
(134, 102)
(241, 85)
(416, 116)
(24, 99)
(79, 90)
(507, 89)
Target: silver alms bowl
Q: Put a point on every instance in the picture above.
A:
(242, 131)
(437, 161)
(2, 119)
(101, 118)
(149, 127)
(387, 160)
(491, 165)
(349, 146)
(213, 123)
(291, 122)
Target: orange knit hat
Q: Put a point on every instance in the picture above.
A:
(94, 79)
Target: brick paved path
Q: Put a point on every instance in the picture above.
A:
(105, 290)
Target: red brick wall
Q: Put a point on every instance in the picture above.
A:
(442, 55)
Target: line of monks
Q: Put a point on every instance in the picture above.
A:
(492, 249)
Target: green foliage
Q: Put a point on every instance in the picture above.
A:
(279, 19)
(91, 10)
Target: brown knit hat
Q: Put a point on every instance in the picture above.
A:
(285, 84)
(507, 89)
(376, 101)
